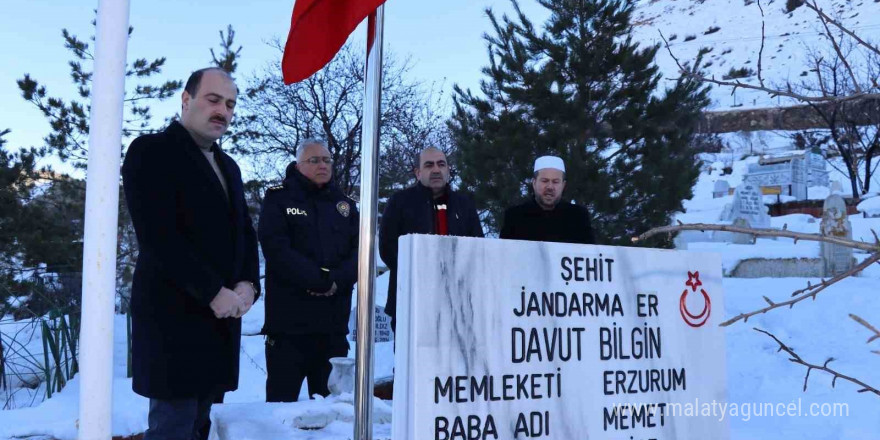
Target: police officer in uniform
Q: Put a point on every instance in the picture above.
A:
(309, 233)
(545, 217)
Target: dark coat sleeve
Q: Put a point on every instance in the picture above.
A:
(347, 272)
(291, 266)
(588, 237)
(151, 199)
(389, 232)
(507, 226)
(250, 270)
(475, 228)
(252, 255)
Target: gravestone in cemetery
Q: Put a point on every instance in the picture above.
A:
(739, 238)
(747, 210)
(748, 204)
(837, 258)
(508, 339)
(791, 174)
(722, 188)
(381, 325)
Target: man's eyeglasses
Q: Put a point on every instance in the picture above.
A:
(314, 160)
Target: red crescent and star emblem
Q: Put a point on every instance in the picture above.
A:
(700, 318)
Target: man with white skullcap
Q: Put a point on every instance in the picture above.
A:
(544, 217)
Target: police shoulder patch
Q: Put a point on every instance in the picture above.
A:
(344, 208)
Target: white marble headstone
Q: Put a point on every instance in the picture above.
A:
(739, 238)
(748, 204)
(506, 339)
(835, 222)
(721, 189)
(381, 325)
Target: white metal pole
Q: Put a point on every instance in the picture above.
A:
(363, 394)
(102, 214)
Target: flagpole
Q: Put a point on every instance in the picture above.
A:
(363, 395)
(101, 217)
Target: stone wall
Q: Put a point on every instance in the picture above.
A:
(811, 207)
(779, 268)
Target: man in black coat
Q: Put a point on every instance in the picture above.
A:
(197, 270)
(544, 217)
(429, 207)
(309, 233)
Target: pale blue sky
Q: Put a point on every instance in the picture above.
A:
(444, 39)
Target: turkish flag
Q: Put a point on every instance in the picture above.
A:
(318, 30)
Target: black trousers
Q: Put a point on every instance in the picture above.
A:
(180, 419)
(292, 358)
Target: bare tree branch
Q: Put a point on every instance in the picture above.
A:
(838, 51)
(851, 34)
(668, 49)
(761, 51)
(808, 292)
(873, 248)
(870, 327)
(694, 74)
(811, 290)
(865, 388)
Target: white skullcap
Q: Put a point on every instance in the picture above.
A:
(551, 162)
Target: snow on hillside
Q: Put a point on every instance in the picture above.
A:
(731, 29)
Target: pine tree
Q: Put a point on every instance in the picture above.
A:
(16, 184)
(581, 89)
(228, 59)
(69, 118)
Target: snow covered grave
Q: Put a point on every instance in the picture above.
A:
(836, 258)
(722, 188)
(790, 173)
(870, 207)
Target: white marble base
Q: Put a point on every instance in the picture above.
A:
(459, 334)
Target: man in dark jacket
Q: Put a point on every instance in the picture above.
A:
(197, 270)
(429, 207)
(309, 233)
(544, 217)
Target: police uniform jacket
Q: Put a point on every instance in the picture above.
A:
(309, 237)
(566, 223)
(192, 239)
(411, 211)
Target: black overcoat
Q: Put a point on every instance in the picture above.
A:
(411, 211)
(192, 239)
(310, 240)
(565, 223)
